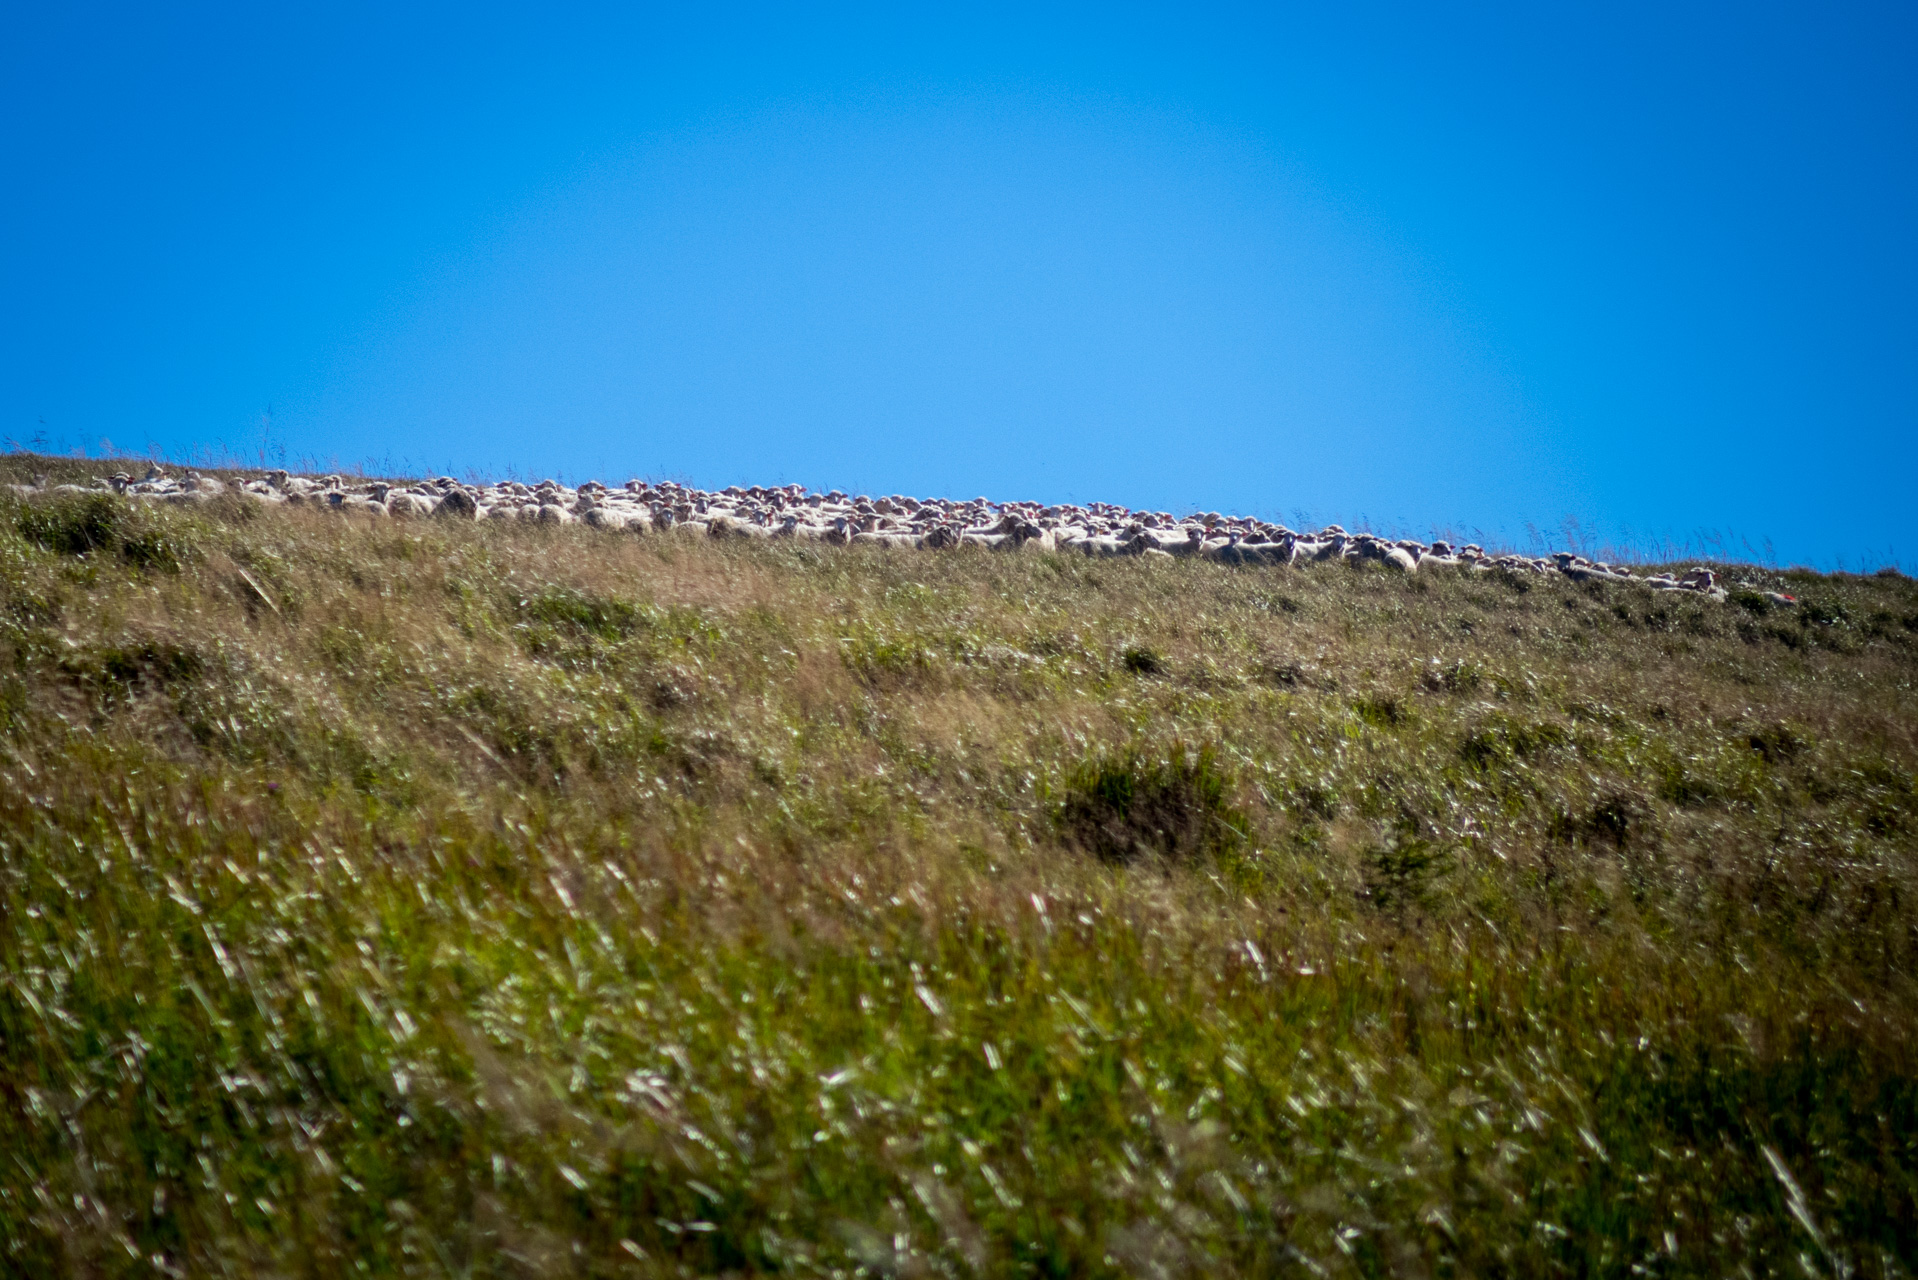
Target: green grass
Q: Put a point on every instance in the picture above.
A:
(520, 900)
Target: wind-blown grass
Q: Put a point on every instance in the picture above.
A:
(424, 899)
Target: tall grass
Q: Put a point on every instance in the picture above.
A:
(417, 899)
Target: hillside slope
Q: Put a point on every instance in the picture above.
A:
(500, 898)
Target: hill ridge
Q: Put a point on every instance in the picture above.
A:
(792, 511)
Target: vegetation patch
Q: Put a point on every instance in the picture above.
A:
(1143, 805)
(1403, 871)
(1384, 711)
(1501, 740)
(129, 668)
(495, 899)
(581, 612)
(1777, 744)
(95, 524)
(1616, 818)
(73, 526)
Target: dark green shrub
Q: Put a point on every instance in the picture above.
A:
(161, 663)
(86, 524)
(887, 659)
(1400, 872)
(73, 526)
(1138, 804)
(152, 549)
(1827, 613)
(1383, 711)
(29, 609)
(1776, 744)
(126, 669)
(1682, 786)
(1617, 819)
(1460, 677)
(582, 613)
(1501, 739)
(1297, 675)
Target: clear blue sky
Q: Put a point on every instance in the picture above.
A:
(1653, 268)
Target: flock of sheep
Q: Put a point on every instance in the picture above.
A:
(792, 511)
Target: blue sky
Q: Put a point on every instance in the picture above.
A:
(1648, 269)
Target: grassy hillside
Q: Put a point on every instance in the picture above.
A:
(502, 899)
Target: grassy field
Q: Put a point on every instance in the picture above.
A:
(410, 898)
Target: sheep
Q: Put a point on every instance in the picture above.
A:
(1592, 573)
(1103, 546)
(604, 518)
(1096, 529)
(1237, 551)
(458, 504)
(1400, 558)
(1313, 549)
(798, 529)
(727, 526)
(1031, 537)
(1699, 579)
(990, 541)
(1181, 541)
(357, 504)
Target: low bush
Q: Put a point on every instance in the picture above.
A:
(1139, 804)
(73, 526)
